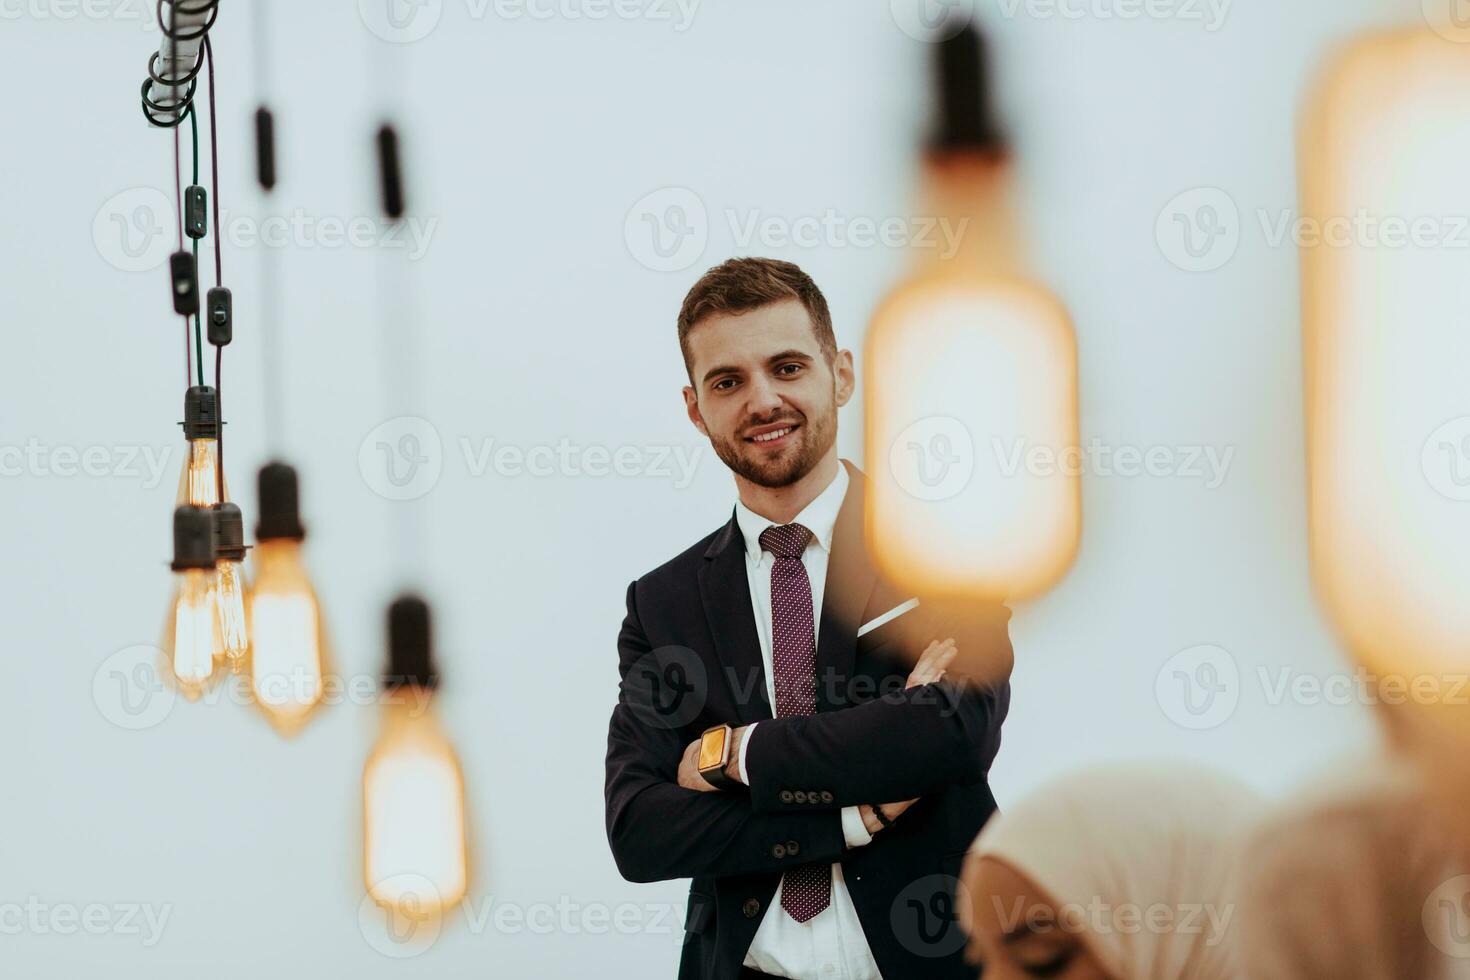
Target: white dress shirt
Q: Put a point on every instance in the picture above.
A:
(831, 944)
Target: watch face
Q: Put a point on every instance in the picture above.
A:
(712, 749)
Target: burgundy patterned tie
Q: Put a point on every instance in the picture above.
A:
(806, 890)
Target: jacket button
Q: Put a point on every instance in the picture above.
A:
(786, 796)
(779, 851)
(814, 796)
(826, 796)
(792, 847)
(800, 796)
(751, 908)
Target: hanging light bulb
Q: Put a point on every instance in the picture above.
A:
(200, 481)
(192, 632)
(288, 650)
(970, 368)
(230, 590)
(413, 791)
(1383, 143)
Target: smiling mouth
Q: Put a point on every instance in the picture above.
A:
(773, 436)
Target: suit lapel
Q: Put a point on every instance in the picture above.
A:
(850, 580)
(725, 590)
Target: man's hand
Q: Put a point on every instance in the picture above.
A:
(890, 810)
(936, 657)
(689, 776)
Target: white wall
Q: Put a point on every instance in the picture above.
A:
(529, 141)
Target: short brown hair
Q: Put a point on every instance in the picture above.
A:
(740, 285)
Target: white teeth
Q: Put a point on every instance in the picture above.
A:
(767, 437)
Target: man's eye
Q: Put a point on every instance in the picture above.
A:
(793, 367)
(724, 384)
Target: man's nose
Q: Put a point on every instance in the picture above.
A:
(761, 398)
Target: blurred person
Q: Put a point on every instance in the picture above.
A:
(1357, 879)
(785, 733)
(1119, 872)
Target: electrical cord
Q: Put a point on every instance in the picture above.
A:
(171, 114)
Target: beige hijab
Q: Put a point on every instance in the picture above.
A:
(1119, 843)
(1355, 880)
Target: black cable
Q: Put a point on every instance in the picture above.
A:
(170, 115)
(214, 158)
(220, 438)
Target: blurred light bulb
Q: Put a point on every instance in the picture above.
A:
(971, 385)
(287, 653)
(192, 632)
(1384, 140)
(413, 789)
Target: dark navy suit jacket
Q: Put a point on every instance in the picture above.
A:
(690, 658)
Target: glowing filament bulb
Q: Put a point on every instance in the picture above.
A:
(191, 635)
(230, 591)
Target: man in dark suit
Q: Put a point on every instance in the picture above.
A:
(787, 734)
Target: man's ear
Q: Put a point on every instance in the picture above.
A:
(846, 379)
(691, 405)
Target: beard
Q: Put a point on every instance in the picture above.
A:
(814, 438)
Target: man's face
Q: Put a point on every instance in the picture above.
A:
(764, 394)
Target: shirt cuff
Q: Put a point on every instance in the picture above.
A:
(744, 747)
(853, 830)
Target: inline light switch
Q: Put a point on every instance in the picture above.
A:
(220, 316)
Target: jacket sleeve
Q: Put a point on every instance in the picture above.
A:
(906, 744)
(658, 829)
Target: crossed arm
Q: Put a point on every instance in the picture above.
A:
(902, 746)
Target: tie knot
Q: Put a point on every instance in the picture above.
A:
(785, 540)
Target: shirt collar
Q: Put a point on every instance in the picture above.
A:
(819, 516)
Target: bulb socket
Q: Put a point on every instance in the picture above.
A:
(201, 413)
(229, 532)
(967, 117)
(279, 501)
(410, 649)
(193, 539)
